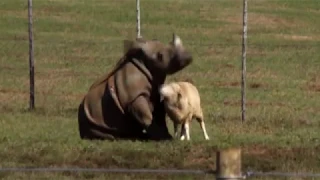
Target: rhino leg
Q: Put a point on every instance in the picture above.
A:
(159, 117)
(141, 111)
(83, 125)
(89, 130)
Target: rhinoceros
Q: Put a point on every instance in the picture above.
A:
(125, 103)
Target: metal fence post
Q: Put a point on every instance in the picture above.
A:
(229, 164)
(31, 60)
(244, 59)
(138, 19)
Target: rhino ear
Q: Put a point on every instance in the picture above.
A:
(176, 41)
(132, 47)
(140, 39)
(127, 45)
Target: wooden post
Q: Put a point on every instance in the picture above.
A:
(31, 60)
(229, 164)
(138, 19)
(244, 59)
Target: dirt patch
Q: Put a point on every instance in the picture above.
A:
(231, 19)
(238, 103)
(228, 66)
(254, 85)
(257, 85)
(6, 67)
(253, 51)
(227, 84)
(298, 37)
(260, 72)
(252, 103)
(14, 13)
(13, 91)
(313, 84)
(193, 75)
(58, 73)
(9, 96)
(268, 20)
(16, 37)
(72, 97)
(264, 158)
(186, 79)
(271, 21)
(314, 87)
(197, 156)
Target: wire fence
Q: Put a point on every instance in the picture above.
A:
(281, 174)
(20, 41)
(246, 175)
(104, 170)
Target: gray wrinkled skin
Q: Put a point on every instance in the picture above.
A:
(125, 103)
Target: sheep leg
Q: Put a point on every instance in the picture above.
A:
(187, 130)
(182, 135)
(186, 127)
(203, 127)
(175, 127)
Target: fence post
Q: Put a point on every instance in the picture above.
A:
(138, 19)
(31, 60)
(244, 59)
(229, 164)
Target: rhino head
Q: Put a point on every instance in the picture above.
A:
(158, 57)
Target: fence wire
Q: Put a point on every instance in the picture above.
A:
(247, 174)
(89, 42)
(281, 174)
(106, 170)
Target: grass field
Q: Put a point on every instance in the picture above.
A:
(77, 40)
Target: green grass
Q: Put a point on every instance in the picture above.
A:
(77, 40)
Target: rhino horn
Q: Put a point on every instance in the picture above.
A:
(176, 40)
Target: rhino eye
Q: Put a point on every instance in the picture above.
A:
(159, 56)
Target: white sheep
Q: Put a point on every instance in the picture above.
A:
(182, 104)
